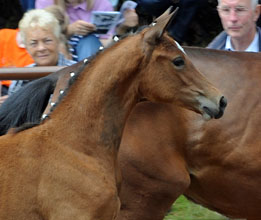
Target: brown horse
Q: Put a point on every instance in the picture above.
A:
(66, 167)
(167, 151)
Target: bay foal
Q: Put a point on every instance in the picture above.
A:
(66, 168)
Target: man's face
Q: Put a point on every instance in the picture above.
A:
(238, 17)
(42, 45)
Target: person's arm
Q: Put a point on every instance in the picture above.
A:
(130, 20)
(80, 27)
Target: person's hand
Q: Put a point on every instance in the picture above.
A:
(131, 19)
(2, 99)
(80, 27)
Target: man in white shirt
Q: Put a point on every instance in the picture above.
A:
(238, 19)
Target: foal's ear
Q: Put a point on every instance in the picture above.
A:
(157, 28)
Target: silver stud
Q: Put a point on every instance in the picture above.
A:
(52, 103)
(101, 48)
(61, 92)
(44, 116)
(85, 60)
(153, 23)
(116, 38)
(72, 74)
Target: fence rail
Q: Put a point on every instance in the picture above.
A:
(29, 73)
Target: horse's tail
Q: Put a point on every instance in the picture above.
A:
(27, 105)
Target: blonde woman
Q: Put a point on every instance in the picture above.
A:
(80, 28)
(40, 33)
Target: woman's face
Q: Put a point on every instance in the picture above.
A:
(42, 45)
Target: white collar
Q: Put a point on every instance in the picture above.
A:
(253, 47)
(19, 40)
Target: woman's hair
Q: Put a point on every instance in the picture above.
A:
(39, 18)
(62, 3)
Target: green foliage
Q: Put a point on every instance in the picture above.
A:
(186, 210)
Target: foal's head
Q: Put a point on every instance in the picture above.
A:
(168, 75)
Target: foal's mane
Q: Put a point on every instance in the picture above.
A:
(73, 78)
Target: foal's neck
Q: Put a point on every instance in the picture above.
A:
(98, 103)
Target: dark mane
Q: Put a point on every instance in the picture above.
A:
(27, 105)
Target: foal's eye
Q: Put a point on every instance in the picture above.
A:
(179, 62)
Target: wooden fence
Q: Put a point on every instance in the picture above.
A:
(28, 73)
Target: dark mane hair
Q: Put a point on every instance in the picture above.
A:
(70, 82)
(19, 108)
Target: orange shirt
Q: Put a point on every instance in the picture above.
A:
(11, 55)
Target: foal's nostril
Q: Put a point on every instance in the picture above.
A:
(223, 102)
